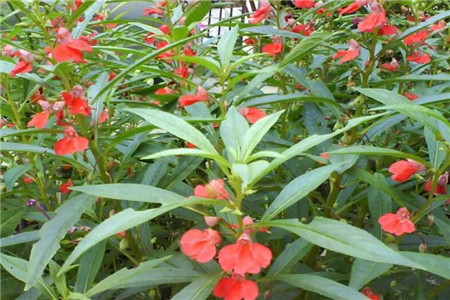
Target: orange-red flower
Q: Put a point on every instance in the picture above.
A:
(387, 30)
(64, 188)
(398, 223)
(182, 70)
(376, 18)
(200, 96)
(39, 120)
(441, 186)
(236, 288)
(245, 256)
(304, 3)
(249, 41)
(77, 105)
(69, 49)
(303, 29)
(350, 54)
(367, 291)
(416, 38)
(392, 66)
(20, 68)
(164, 91)
(350, 8)
(71, 142)
(438, 26)
(164, 55)
(419, 57)
(261, 13)
(215, 189)
(200, 245)
(404, 169)
(252, 114)
(273, 48)
(410, 95)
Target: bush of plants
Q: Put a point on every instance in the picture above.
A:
(302, 153)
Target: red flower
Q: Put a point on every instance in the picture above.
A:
(249, 41)
(215, 189)
(416, 38)
(367, 291)
(410, 95)
(153, 11)
(440, 25)
(404, 169)
(71, 142)
(189, 51)
(26, 179)
(236, 288)
(349, 9)
(441, 186)
(104, 115)
(252, 114)
(244, 256)
(304, 3)
(39, 120)
(376, 18)
(165, 29)
(182, 71)
(419, 57)
(69, 49)
(77, 105)
(200, 245)
(387, 30)
(392, 66)
(187, 100)
(398, 223)
(350, 54)
(20, 68)
(303, 29)
(164, 91)
(64, 188)
(164, 55)
(261, 13)
(190, 145)
(273, 48)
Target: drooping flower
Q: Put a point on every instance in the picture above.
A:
(398, 223)
(273, 48)
(261, 13)
(392, 66)
(69, 49)
(252, 114)
(347, 55)
(349, 9)
(441, 185)
(304, 3)
(76, 103)
(182, 70)
(402, 170)
(200, 96)
(410, 95)
(438, 26)
(244, 256)
(303, 29)
(367, 291)
(64, 188)
(155, 10)
(39, 120)
(71, 142)
(387, 30)
(419, 57)
(200, 245)
(236, 287)
(164, 91)
(215, 189)
(376, 18)
(416, 38)
(20, 68)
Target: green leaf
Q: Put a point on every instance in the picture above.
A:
(275, 98)
(205, 61)
(125, 220)
(379, 204)
(304, 47)
(59, 281)
(322, 286)
(436, 264)
(6, 67)
(413, 78)
(80, 10)
(364, 271)
(444, 228)
(264, 74)
(435, 149)
(271, 31)
(247, 172)
(197, 12)
(199, 289)
(225, 46)
(131, 192)
(175, 126)
(293, 253)
(186, 151)
(20, 238)
(125, 276)
(90, 264)
(334, 235)
(88, 14)
(256, 132)
(11, 175)
(52, 232)
(232, 131)
(297, 189)
(10, 218)
(179, 32)
(92, 93)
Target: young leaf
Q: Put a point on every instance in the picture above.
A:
(225, 46)
(90, 264)
(233, 131)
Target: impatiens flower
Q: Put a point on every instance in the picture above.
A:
(236, 288)
(376, 18)
(245, 256)
(164, 55)
(164, 91)
(252, 114)
(249, 41)
(438, 26)
(303, 29)
(387, 30)
(20, 68)
(39, 120)
(261, 13)
(404, 169)
(77, 104)
(215, 189)
(419, 57)
(8, 50)
(27, 179)
(392, 66)
(410, 95)
(71, 142)
(398, 223)
(441, 186)
(188, 51)
(64, 188)
(304, 3)
(69, 49)
(416, 38)
(347, 55)
(187, 100)
(200, 245)
(182, 70)
(349, 9)
(367, 291)
(273, 48)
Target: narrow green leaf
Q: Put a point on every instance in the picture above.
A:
(304, 48)
(90, 264)
(247, 172)
(436, 264)
(435, 149)
(186, 151)
(88, 14)
(290, 256)
(20, 238)
(233, 130)
(11, 175)
(225, 46)
(205, 61)
(197, 12)
(10, 218)
(364, 271)
(199, 289)
(379, 204)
